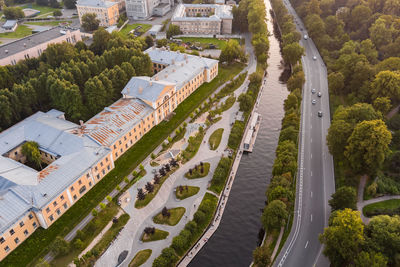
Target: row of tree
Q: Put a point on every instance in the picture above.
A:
(73, 79)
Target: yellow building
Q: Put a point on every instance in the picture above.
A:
(106, 11)
(79, 156)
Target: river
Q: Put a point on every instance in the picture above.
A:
(237, 236)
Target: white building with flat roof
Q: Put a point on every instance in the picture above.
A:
(143, 9)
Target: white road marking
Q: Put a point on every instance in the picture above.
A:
(311, 140)
(311, 126)
(311, 194)
(311, 217)
(311, 173)
(311, 155)
(306, 245)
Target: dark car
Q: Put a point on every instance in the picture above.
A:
(319, 113)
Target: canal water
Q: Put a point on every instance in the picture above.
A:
(237, 236)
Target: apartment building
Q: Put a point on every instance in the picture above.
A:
(33, 45)
(203, 18)
(107, 12)
(79, 156)
(143, 9)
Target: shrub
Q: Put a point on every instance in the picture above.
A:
(78, 244)
(95, 212)
(102, 205)
(60, 247)
(109, 198)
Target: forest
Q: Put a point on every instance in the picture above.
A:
(77, 80)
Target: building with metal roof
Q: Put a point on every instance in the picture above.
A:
(203, 18)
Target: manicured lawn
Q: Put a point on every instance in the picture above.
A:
(175, 216)
(158, 235)
(125, 31)
(215, 138)
(220, 175)
(47, 23)
(197, 173)
(39, 243)
(390, 207)
(187, 191)
(140, 258)
(194, 143)
(21, 31)
(205, 41)
(43, 9)
(149, 196)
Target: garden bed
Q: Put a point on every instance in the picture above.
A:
(158, 235)
(215, 138)
(175, 216)
(197, 173)
(187, 191)
(388, 207)
(140, 258)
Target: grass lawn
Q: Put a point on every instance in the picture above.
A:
(215, 138)
(158, 235)
(43, 9)
(205, 41)
(194, 143)
(389, 207)
(154, 164)
(196, 171)
(175, 216)
(140, 258)
(47, 23)
(39, 243)
(149, 196)
(128, 27)
(21, 31)
(187, 191)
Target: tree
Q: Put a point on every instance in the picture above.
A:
(57, 13)
(13, 13)
(149, 230)
(262, 256)
(165, 212)
(343, 238)
(60, 247)
(289, 133)
(141, 195)
(232, 52)
(296, 81)
(336, 82)
(290, 102)
(149, 41)
(370, 259)
(161, 42)
(368, 145)
(96, 95)
(274, 215)
(55, 54)
(382, 104)
(386, 83)
(292, 53)
(70, 4)
(90, 22)
(167, 258)
(173, 30)
(368, 49)
(31, 151)
(344, 197)
(149, 187)
(245, 102)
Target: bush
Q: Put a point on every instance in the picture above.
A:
(220, 175)
(60, 247)
(95, 212)
(102, 205)
(236, 134)
(78, 244)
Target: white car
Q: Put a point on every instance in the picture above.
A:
(314, 101)
(319, 94)
(314, 58)
(313, 91)
(305, 37)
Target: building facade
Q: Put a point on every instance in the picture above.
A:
(107, 12)
(79, 156)
(143, 9)
(33, 45)
(203, 18)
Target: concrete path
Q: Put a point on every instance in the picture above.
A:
(278, 242)
(361, 187)
(361, 205)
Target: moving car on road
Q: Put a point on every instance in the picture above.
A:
(319, 94)
(320, 113)
(313, 91)
(314, 58)
(314, 101)
(305, 36)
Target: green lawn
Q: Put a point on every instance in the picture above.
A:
(140, 258)
(39, 243)
(47, 23)
(194, 143)
(205, 41)
(125, 31)
(197, 173)
(149, 196)
(43, 9)
(390, 207)
(175, 216)
(158, 235)
(187, 191)
(21, 31)
(215, 138)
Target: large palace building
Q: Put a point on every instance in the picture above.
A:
(77, 156)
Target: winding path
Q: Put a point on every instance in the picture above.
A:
(361, 205)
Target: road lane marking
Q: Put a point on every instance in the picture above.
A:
(311, 217)
(306, 245)
(311, 155)
(311, 126)
(311, 140)
(311, 173)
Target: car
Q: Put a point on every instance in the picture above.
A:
(314, 101)
(314, 58)
(301, 29)
(320, 113)
(313, 91)
(319, 94)
(305, 36)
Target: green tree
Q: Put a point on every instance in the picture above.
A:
(367, 48)
(370, 259)
(296, 81)
(336, 82)
(262, 256)
(149, 41)
(386, 83)
(60, 247)
(70, 4)
(382, 104)
(57, 13)
(291, 102)
(338, 134)
(173, 30)
(90, 22)
(274, 215)
(368, 145)
(232, 52)
(245, 102)
(292, 53)
(289, 133)
(343, 238)
(31, 151)
(344, 197)
(55, 54)
(13, 12)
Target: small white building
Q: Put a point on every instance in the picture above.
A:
(10, 25)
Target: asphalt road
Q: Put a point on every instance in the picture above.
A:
(315, 181)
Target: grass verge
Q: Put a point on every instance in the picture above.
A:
(187, 191)
(204, 42)
(175, 216)
(47, 23)
(215, 138)
(194, 143)
(388, 207)
(140, 258)
(158, 235)
(128, 27)
(198, 171)
(21, 31)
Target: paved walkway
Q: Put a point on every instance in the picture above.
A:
(361, 205)
(278, 242)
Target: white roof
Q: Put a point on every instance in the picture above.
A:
(221, 12)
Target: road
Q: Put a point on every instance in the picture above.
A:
(315, 181)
